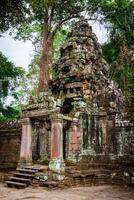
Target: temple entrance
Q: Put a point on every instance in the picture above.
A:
(40, 140)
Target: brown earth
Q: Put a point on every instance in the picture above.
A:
(79, 193)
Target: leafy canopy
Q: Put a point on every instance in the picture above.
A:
(12, 13)
(9, 76)
(119, 51)
(57, 9)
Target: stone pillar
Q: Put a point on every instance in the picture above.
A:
(56, 163)
(74, 141)
(26, 143)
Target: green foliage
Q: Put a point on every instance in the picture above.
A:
(68, 79)
(58, 41)
(53, 73)
(51, 16)
(61, 95)
(120, 58)
(12, 13)
(131, 84)
(10, 113)
(119, 13)
(9, 77)
(59, 10)
(31, 32)
(111, 49)
(118, 51)
(28, 83)
(57, 14)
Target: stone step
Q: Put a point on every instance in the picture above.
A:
(21, 180)
(31, 168)
(16, 184)
(29, 171)
(17, 174)
(22, 177)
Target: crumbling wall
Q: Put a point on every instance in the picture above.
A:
(125, 138)
(106, 135)
(120, 136)
(10, 139)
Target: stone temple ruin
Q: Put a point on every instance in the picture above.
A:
(82, 116)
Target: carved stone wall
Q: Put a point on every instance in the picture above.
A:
(106, 136)
(83, 86)
(10, 138)
(125, 138)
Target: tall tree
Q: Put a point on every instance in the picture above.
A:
(52, 14)
(28, 85)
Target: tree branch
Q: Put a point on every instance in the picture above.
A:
(63, 21)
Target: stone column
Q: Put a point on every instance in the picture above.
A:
(26, 143)
(74, 141)
(56, 163)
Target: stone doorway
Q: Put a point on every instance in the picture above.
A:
(40, 140)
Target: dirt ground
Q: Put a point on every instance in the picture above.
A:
(79, 193)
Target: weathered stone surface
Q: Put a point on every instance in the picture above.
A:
(10, 139)
(26, 143)
(43, 102)
(98, 102)
(82, 71)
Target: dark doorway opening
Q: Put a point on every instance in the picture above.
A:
(64, 143)
(86, 130)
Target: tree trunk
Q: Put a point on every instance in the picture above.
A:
(46, 58)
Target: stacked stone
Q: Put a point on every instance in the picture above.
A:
(82, 71)
(44, 101)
